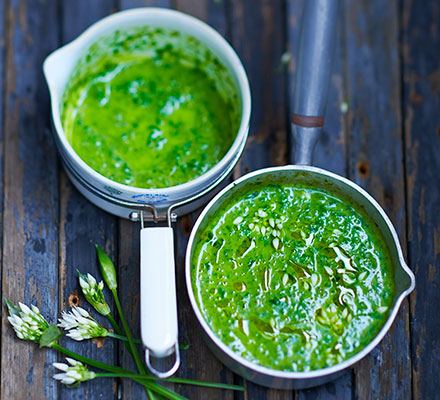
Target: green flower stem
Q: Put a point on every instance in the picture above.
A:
(116, 336)
(114, 324)
(131, 346)
(117, 371)
(146, 381)
(89, 361)
(150, 394)
(123, 338)
(120, 335)
(124, 373)
(108, 272)
(213, 385)
(141, 379)
(130, 343)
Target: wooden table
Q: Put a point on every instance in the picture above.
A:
(387, 139)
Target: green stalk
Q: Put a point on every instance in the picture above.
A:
(140, 366)
(130, 343)
(123, 338)
(117, 371)
(138, 378)
(116, 336)
(120, 335)
(146, 381)
(206, 384)
(89, 361)
(108, 272)
(177, 380)
(115, 325)
(124, 373)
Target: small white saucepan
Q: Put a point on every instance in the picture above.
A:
(158, 294)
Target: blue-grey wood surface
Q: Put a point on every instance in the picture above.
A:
(382, 130)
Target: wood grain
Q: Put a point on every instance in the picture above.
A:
(375, 143)
(82, 226)
(340, 389)
(258, 37)
(388, 141)
(30, 230)
(2, 100)
(421, 100)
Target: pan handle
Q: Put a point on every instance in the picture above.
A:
(316, 48)
(158, 298)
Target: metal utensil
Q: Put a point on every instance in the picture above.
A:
(314, 62)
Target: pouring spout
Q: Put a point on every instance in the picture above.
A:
(412, 279)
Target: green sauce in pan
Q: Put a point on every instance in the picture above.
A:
(150, 108)
(292, 278)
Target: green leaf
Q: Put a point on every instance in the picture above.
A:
(107, 267)
(81, 275)
(13, 310)
(49, 336)
(206, 384)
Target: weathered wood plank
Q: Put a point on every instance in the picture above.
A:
(421, 95)
(124, 4)
(2, 100)
(77, 16)
(257, 32)
(258, 37)
(81, 226)
(211, 11)
(30, 252)
(2, 112)
(129, 275)
(340, 389)
(330, 151)
(375, 143)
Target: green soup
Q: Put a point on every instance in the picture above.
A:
(292, 278)
(150, 108)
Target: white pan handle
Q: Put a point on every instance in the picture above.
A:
(158, 297)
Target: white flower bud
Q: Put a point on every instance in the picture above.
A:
(61, 366)
(73, 373)
(24, 308)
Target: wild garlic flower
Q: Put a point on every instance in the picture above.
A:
(93, 293)
(27, 322)
(81, 325)
(76, 372)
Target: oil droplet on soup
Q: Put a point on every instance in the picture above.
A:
(302, 279)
